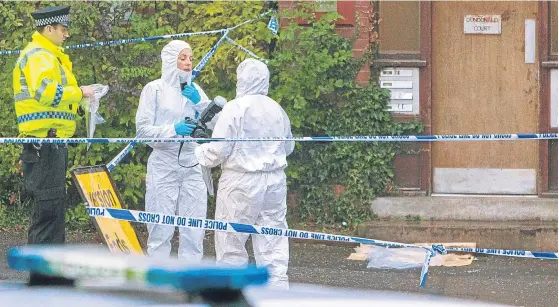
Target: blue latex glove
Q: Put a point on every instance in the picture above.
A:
(191, 93)
(184, 129)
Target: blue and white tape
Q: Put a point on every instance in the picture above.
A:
(112, 164)
(425, 268)
(273, 25)
(435, 249)
(145, 39)
(250, 20)
(208, 224)
(214, 225)
(506, 252)
(129, 40)
(208, 55)
(364, 138)
(252, 54)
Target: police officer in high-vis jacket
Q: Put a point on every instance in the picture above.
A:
(46, 97)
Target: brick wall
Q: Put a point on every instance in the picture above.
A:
(346, 27)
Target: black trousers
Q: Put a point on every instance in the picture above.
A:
(44, 173)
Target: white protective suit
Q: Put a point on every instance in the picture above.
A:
(252, 188)
(171, 188)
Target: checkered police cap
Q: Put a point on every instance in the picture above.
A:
(52, 15)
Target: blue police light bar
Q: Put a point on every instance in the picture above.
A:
(197, 279)
(86, 262)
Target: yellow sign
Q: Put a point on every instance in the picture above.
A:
(98, 190)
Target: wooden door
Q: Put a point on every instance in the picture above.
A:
(482, 84)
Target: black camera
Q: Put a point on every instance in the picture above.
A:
(201, 130)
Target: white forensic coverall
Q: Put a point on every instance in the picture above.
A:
(171, 188)
(252, 188)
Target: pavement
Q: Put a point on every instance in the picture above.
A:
(504, 222)
(468, 207)
(524, 235)
(503, 280)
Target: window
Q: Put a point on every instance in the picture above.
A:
(399, 27)
(326, 6)
(553, 28)
(345, 8)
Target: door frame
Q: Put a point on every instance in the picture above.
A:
(425, 97)
(542, 26)
(546, 64)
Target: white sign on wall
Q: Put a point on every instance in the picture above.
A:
(403, 84)
(399, 107)
(482, 24)
(401, 95)
(396, 84)
(391, 72)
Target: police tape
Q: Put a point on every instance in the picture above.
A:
(425, 269)
(486, 137)
(245, 50)
(251, 20)
(112, 164)
(364, 138)
(207, 57)
(215, 225)
(209, 224)
(146, 39)
(128, 41)
(506, 252)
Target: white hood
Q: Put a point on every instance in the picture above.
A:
(169, 70)
(253, 78)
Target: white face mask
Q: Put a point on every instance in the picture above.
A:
(184, 76)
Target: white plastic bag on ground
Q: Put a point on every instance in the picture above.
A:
(405, 258)
(395, 258)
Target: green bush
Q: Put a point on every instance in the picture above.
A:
(313, 74)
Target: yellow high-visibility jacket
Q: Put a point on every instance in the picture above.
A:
(46, 93)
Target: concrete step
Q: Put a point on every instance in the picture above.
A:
(486, 208)
(525, 235)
